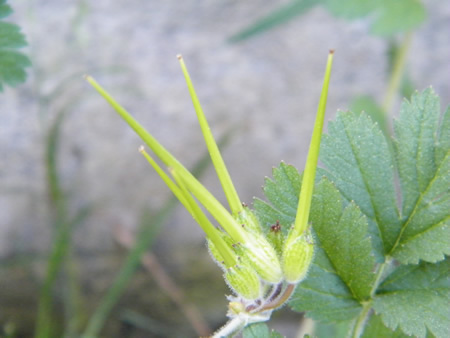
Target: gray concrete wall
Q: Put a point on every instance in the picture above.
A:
(267, 88)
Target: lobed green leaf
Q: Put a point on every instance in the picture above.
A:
(422, 152)
(359, 162)
(323, 294)
(282, 192)
(376, 329)
(415, 298)
(343, 237)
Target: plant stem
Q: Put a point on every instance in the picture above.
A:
(361, 320)
(230, 328)
(398, 70)
(379, 275)
(281, 299)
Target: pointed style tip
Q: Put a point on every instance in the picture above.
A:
(179, 56)
(86, 77)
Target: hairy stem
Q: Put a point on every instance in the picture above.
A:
(230, 328)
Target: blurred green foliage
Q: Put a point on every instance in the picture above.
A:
(12, 62)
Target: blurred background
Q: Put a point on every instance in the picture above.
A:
(79, 206)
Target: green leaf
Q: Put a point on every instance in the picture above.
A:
(343, 237)
(12, 63)
(386, 17)
(360, 164)
(423, 161)
(415, 298)
(342, 268)
(397, 16)
(5, 9)
(415, 139)
(323, 294)
(376, 329)
(443, 144)
(339, 330)
(260, 330)
(282, 192)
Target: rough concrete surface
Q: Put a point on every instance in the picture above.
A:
(266, 89)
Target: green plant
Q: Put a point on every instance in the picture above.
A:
(377, 267)
(385, 17)
(12, 62)
(394, 21)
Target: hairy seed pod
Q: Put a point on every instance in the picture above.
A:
(263, 257)
(297, 257)
(244, 281)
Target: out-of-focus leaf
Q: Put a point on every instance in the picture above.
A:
(385, 17)
(12, 62)
(368, 105)
(5, 9)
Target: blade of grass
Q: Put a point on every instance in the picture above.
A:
(61, 231)
(162, 278)
(279, 16)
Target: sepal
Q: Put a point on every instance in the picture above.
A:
(263, 257)
(244, 281)
(297, 257)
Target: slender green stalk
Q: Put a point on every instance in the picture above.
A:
(304, 204)
(184, 196)
(212, 233)
(172, 186)
(216, 209)
(216, 157)
(397, 72)
(361, 321)
(150, 225)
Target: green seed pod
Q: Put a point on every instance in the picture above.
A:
(297, 257)
(215, 254)
(263, 257)
(248, 220)
(244, 281)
